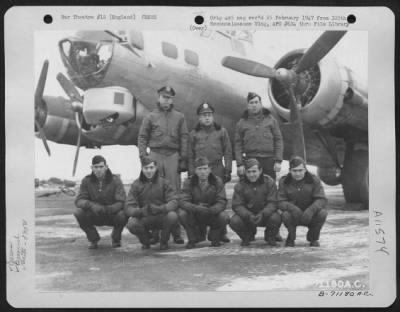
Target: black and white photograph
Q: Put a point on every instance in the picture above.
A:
(217, 161)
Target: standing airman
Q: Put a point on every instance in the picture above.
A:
(258, 136)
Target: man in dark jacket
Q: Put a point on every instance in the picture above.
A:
(302, 199)
(211, 140)
(164, 131)
(254, 204)
(100, 202)
(151, 204)
(202, 203)
(258, 136)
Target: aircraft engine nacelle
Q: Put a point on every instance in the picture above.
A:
(114, 105)
(60, 130)
(330, 94)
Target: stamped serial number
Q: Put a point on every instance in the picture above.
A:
(341, 284)
(341, 293)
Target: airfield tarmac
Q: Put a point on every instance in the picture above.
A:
(64, 263)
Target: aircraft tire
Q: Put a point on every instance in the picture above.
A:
(355, 177)
(365, 189)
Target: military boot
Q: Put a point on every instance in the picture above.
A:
(163, 246)
(314, 243)
(224, 237)
(291, 237)
(155, 237)
(176, 233)
(93, 245)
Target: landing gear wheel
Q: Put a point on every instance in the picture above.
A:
(355, 177)
(365, 190)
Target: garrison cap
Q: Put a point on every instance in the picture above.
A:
(98, 159)
(166, 90)
(147, 160)
(201, 161)
(205, 108)
(296, 161)
(251, 162)
(252, 95)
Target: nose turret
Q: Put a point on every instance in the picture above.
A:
(86, 61)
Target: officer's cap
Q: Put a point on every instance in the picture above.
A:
(166, 90)
(205, 108)
(296, 161)
(252, 95)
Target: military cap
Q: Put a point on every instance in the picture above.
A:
(147, 160)
(201, 161)
(98, 159)
(251, 162)
(166, 90)
(252, 95)
(205, 108)
(296, 161)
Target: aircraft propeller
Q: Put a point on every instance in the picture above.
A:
(291, 79)
(77, 102)
(40, 105)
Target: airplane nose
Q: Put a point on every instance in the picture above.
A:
(86, 61)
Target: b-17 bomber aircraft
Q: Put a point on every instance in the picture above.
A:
(113, 77)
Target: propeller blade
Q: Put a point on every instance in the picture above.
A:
(41, 84)
(319, 49)
(248, 67)
(69, 88)
(297, 135)
(43, 137)
(78, 145)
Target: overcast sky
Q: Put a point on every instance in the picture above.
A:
(352, 51)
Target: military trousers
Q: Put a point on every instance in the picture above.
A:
(168, 167)
(141, 227)
(194, 223)
(314, 227)
(245, 229)
(267, 165)
(87, 221)
(218, 169)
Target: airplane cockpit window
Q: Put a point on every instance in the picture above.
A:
(104, 53)
(86, 61)
(191, 58)
(169, 50)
